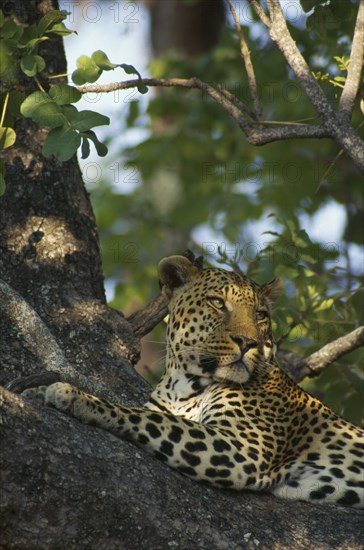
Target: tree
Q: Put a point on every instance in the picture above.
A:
(68, 485)
(197, 169)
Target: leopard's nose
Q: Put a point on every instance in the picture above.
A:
(244, 343)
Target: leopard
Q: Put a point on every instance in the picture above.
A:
(224, 412)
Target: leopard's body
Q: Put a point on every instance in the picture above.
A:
(223, 412)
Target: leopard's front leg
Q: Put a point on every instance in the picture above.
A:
(201, 452)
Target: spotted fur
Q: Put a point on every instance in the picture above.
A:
(223, 412)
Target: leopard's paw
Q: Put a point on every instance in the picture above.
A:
(36, 395)
(61, 396)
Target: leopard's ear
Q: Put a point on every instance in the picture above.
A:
(273, 290)
(174, 272)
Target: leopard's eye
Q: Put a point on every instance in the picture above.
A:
(261, 315)
(217, 303)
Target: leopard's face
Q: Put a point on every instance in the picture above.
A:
(219, 324)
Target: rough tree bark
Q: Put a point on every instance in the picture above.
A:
(66, 485)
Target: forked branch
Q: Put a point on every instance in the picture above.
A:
(255, 132)
(340, 130)
(245, 54)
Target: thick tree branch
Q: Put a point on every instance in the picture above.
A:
(144, 320)
(340, 130)
(65, 485)
(35, 333)
(41, 342)
(352, 82)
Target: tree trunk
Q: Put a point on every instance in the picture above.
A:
(67, 485)
(185, 28)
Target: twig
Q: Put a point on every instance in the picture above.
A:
(352, 83)
(328, 170)
(336, 349)
(260, 13)
(7, 95)
(231, 97)
(338, 128)
(188, 83)
(315, 363)
(245, 54)
(254, 135)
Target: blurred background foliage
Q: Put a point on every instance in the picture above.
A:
(292, 209)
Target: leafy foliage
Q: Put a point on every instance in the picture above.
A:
(54, 108)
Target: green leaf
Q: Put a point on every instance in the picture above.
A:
(32, 64)
(30, 45)
(63, 94)
(87, 71)
(61, 142)
(85, 120)
(42, 109)
(2, 18)
(13, 107)
(15, 101)
(7, 65)
(129, 69)
(50, 19)
(85, 150)
(7, 137)
(103, 61)
(60, 29)
(30, 33)
(100, 147)
(321, 305)
(142, 88)
(342, 62)
(77, 78)
(11, 30)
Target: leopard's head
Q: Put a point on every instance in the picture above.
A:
(219, 323)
